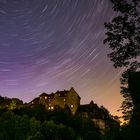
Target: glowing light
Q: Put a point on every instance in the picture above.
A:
(71, 106)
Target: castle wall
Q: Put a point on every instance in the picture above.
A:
(60, 98)
(72, 100)
(100, 123)
(60, 101)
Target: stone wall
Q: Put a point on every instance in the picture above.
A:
(73, 100)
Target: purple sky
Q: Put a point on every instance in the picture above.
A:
(50, 45)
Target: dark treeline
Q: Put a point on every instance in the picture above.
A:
(20, 121)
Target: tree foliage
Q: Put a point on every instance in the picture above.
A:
(123, 38)
(123, 33)
(19, 124)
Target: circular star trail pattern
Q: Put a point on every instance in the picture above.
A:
(50, 45)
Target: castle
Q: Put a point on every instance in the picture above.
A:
(64, 98)
(99, 115)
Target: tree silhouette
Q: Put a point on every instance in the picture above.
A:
(123, 32)
(123, 37)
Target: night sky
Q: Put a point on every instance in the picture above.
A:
(50, 45)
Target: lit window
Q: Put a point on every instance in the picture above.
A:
(64, 100)
(52, 107)
(49, 108)
(45, 97)
(32, 102)
(71, 106)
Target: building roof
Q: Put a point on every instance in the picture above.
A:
(44, 94)
(35, 100)
(62, 93)
(51, 96)
(73, 90)
(92, 110)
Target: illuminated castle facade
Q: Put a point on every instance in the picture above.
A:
(70, 99)
(62, 99)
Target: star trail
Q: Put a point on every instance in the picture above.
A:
(50, 45)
